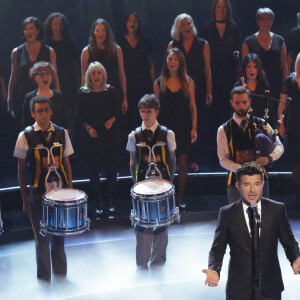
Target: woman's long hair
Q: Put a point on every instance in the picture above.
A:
(252, 57)
(182, 74)
(139, 30)
(66, 32)
(110, 45)
(229, 10)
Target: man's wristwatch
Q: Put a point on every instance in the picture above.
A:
(270, 159)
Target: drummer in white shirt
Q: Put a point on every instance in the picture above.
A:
(44, 132)
(151, 243)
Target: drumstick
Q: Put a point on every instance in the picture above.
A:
(34, 232)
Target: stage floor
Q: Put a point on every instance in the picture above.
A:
(101, 264)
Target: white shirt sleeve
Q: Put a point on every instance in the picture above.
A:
(68, 146)
(131, 147)
(171, 141)
(21, 147)
(223, 151)
(279, 149)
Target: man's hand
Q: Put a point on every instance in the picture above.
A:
(263, 160)
(296, 266)
(281, 130)
(212, 277)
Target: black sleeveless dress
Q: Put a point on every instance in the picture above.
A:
(24, 83)
(195, 67)
(271, 60)
(137, 66)
(291, 89)
(111, 65)
(66, 55)
(175, 115)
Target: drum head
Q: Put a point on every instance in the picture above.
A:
(65, 195)
(152, 187)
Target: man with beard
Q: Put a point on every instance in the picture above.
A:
(236, 141)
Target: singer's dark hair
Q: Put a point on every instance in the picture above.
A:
(149, 101)
(239, 90)
(250, 169)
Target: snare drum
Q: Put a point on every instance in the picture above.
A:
(153, 203)
(64, 212)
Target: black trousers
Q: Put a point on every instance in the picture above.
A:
(44, 258)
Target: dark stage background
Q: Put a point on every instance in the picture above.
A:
(157, 17)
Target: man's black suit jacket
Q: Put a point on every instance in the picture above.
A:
(232, 230)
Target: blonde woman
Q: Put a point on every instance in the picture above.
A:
(197, 55)
(98, 110)
(102, 48)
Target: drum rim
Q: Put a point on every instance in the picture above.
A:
(61, 202)
(170, 191)
(153, 224)
(65, 204)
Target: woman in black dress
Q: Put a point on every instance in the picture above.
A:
(223, 37)
(102, 48)
(176, 93)
(291, 88)
(22, 59)
(58, 36)
(197, 56)
(271, 50)
(44, 74)
(98, 110)
(139, 69)
(256, 82)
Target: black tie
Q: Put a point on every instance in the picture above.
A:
(244, 124)
(253, 230)
(47, 135)
(148, 134)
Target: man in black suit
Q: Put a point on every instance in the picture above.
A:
(233, 228)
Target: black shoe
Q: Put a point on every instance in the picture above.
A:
(100, 207)
(100, 212)
(182, 207)
(112, 210)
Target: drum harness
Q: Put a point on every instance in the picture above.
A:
(153, 173)
(51, 182)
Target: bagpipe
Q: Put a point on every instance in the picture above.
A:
(264, 144)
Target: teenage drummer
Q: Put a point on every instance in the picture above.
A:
(43, 132)
(151, 243)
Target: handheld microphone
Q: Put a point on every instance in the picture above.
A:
(256, 214)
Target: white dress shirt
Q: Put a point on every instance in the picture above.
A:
(223, 147)
(171, 143)
(245, 207)
(22, 146)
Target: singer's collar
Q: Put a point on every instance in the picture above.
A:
(238, 120)
(152, 127)
(223, 21)
(248, 203)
